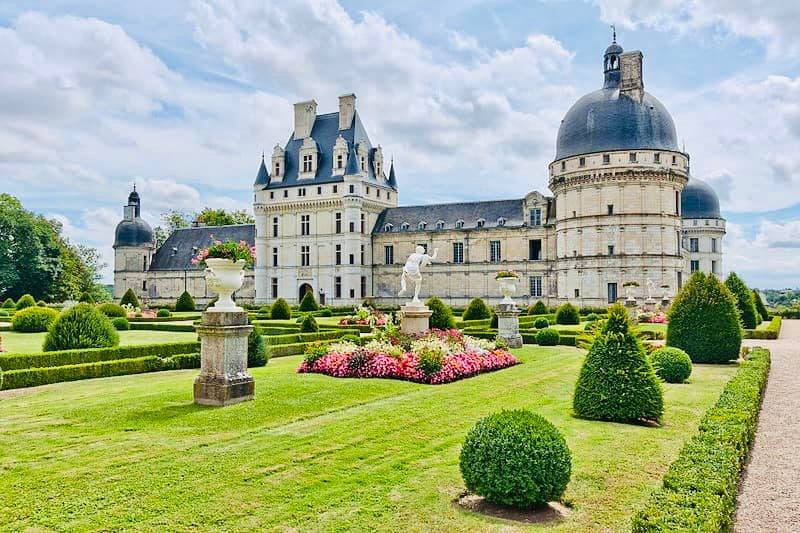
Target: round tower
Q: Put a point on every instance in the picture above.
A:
(617, 179)
(703, 228)
(134, 247)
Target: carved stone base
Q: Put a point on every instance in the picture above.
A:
(223, 378)
(508, 325)
(416, 318)
(632, 307)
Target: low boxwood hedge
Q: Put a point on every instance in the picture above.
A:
(771, 332)
(32, 377)
(173, 318)
(138, 326)
(283, 350)
(277, 340)
(699, 489)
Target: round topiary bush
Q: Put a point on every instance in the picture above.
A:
(476, 310)
(163, 313)
(256, 349)
(26, 301)
(591, 317)
(325, 312)
(442, 317)
(308, 303)
(184, 303)
(81, 326)
(130, 298)
(33, 319)
(548, 337)
(41, 303)
(541, 323)
(703, 321)
(112, 310)
(538, 308)
(120, 323)
(744, 301)
(309, 325)
(9, 304)
(567, 314)
(516, 458)
(617, 381)
(671, 364)
(281, 310)
(760, 307)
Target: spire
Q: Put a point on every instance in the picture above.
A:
(392, 177)
(262, 179)
(353, 167)
(614, 34)
(611, 62)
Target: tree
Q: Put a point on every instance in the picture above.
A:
(476, 310)
(538, 308)
(129, 298)
(760, 307)
(704, 322)
(442, 317)
(220, 217)
(185, 302)
(744, 301)
(567, 314)
(308, 303)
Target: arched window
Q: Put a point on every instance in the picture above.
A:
(404, 226)
(459, 224)
(387, 228)
(440, 224)
(421, 226)
(481, 222)
(501, 221)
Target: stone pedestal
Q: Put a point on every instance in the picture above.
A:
(630, 305)
(223, 378)
(508, 325)
(416, 318)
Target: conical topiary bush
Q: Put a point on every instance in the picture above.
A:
(760, 307)
(185, 302)
(476, 310)
(744, 301)
(130, 298)
(308, 303)
(617, 382)
(442, 317)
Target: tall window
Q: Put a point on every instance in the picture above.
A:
(714, 245)
(632, 157)
(144, 263)
(352, 227)
(535, 249)
(274, 257)
(388, 254)
(144, 285)
(362, 254)
(714, 269)
(610, 249)
(606, 159)
(694, 245)
(612, 293)
(305, 255)
(305, 224)
(274, 287)
(677, 203)
(277, 168)
(352, 259)
(338, 254)
(577, 293)
(363, 164)
(363, 222)
(494, 251)
(536, 217)
(337, 287)
(581, 161)
(301, 191)
(424, 246)
(694, 265)
(363, 286)
(656, 158)
(458, 252)
(339, 161)
(338, 222)
(307, 162)
(610, 209)
(536, 286)
(274, 226)
(352, 189)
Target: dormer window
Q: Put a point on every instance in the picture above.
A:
(308, 158)
(340, 161)
(278, 163)
(421, 226)
(277, 170)
(339, 156)
(481, 222)
(440, 224)
(536, 216)
(388, 228)
(377, 162)
(404, 226)
(501, 221)
(363, 163)
(307, 163)
(459, 224)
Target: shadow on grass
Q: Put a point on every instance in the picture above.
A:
(550, 514)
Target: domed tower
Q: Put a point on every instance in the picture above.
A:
(703, 228)
(134, 247)
(617, 179)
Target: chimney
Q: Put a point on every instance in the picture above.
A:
(631, 82)
(304, 115)
(347, 110)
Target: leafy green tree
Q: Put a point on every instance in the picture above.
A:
(308, 303)
(442, 317)
(760, 307)
(129, 298)
(25, 301)
(220, 217)
(476, 310)
(744, 301)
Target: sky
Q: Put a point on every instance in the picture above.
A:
(182, 97)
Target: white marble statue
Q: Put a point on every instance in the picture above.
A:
(411, 270)
(651, 287)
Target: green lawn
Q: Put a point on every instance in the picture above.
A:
(312, 452)
(32, 342)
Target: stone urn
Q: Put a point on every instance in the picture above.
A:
(224, 277)
(508, 287)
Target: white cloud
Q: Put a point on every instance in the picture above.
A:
(767, 260)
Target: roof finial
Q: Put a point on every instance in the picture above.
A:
(262, 156)
(614, 33)
(134, 186)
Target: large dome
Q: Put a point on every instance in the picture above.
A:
(605, 120)
(698, 200)
(134, 232)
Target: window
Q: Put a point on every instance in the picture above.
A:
(677, 203)
(274, 257)
(337, 217)
(612, 293)
(535, 285)
(274, 226)
(144, 263)
(501, 222)
(494, 251)
(632, 157)
(440, 224)
(319, 190)
(656, 158)
(674, 160)
(481, 222)
(610, 249)
(352, 189)
(363, 286)
(388, 254)
(144, 285)
(363, 222)
(535, 249)
(582, 162)
(694, 245)
(388, 196)
(378, 193)
(339, 161)
(305, 224)
(352, 259)
(694, 265)
(361, 252)
(274, 288)
(388, 228)
(352, 227)
(271, 195)
(424, 246)
(305, 255)
(301, 191)
(277, 168)
(536, 216)
(680, 280)
(577, 293)
(338, 257)
(352, 293)
(404, 226)
(459, 224)
(367, 190)
(335, 189)
(610, 209)
(714, 245)
(286, 193)
(714, 267)
(337, 287)
(363, 164)
(606, 159)
(458, 252)
(307, 162)
(563, 166)
(421, 226)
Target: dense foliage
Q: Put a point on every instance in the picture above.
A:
(538, 308)
(81, 326)
(673, 365)
(700, 488)
(9, 304)
(33, 319)
(744, 301)
(163, 313)
(567, 314)
(120, 323)
(541, 323)
(256, 348)
(617, 382)
(230, 250)
(476, 310)
(185, 302)
(760, 307)
(26, 301)
(442, 317)
(308, 303)
(309, 325)
(704, 321)
(112, 310)
(548, 337)
(129, 298)
(281, 310)
(516, 458)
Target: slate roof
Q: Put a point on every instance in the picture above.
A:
(177, 251)
(698, 200)
(136, 232)
(262, 178)
(511, 210)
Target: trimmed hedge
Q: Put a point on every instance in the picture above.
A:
(309, 325)
(112, 310)
(91, 355)
(671, 364)
(81, 326)
(744, 301)
(308, 303)
(172, 318)
(548, 337)
(280, 310)
(33, 319)
(442, 317)
(130, 298)
(256, 349)
(567, 314)
(121, 323)
(541, 323)
(277, 340)
(9, 304)
(771, 332)
(163, 313)
(538, 308)
(476, 310)
(760, 307)
(25, 301)
(185, 302)
(699, 490)
(284, 350)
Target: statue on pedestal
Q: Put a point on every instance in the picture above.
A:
(411, 270)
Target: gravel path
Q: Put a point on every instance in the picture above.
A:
(769, 498)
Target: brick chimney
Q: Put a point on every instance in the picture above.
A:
(304, 115)
(347, 110)
(631, 81)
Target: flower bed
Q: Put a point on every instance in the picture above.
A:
(365, 317)
(441, 356)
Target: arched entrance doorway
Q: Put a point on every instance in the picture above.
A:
(304, 288)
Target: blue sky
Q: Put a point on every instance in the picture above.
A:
(183, 96)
